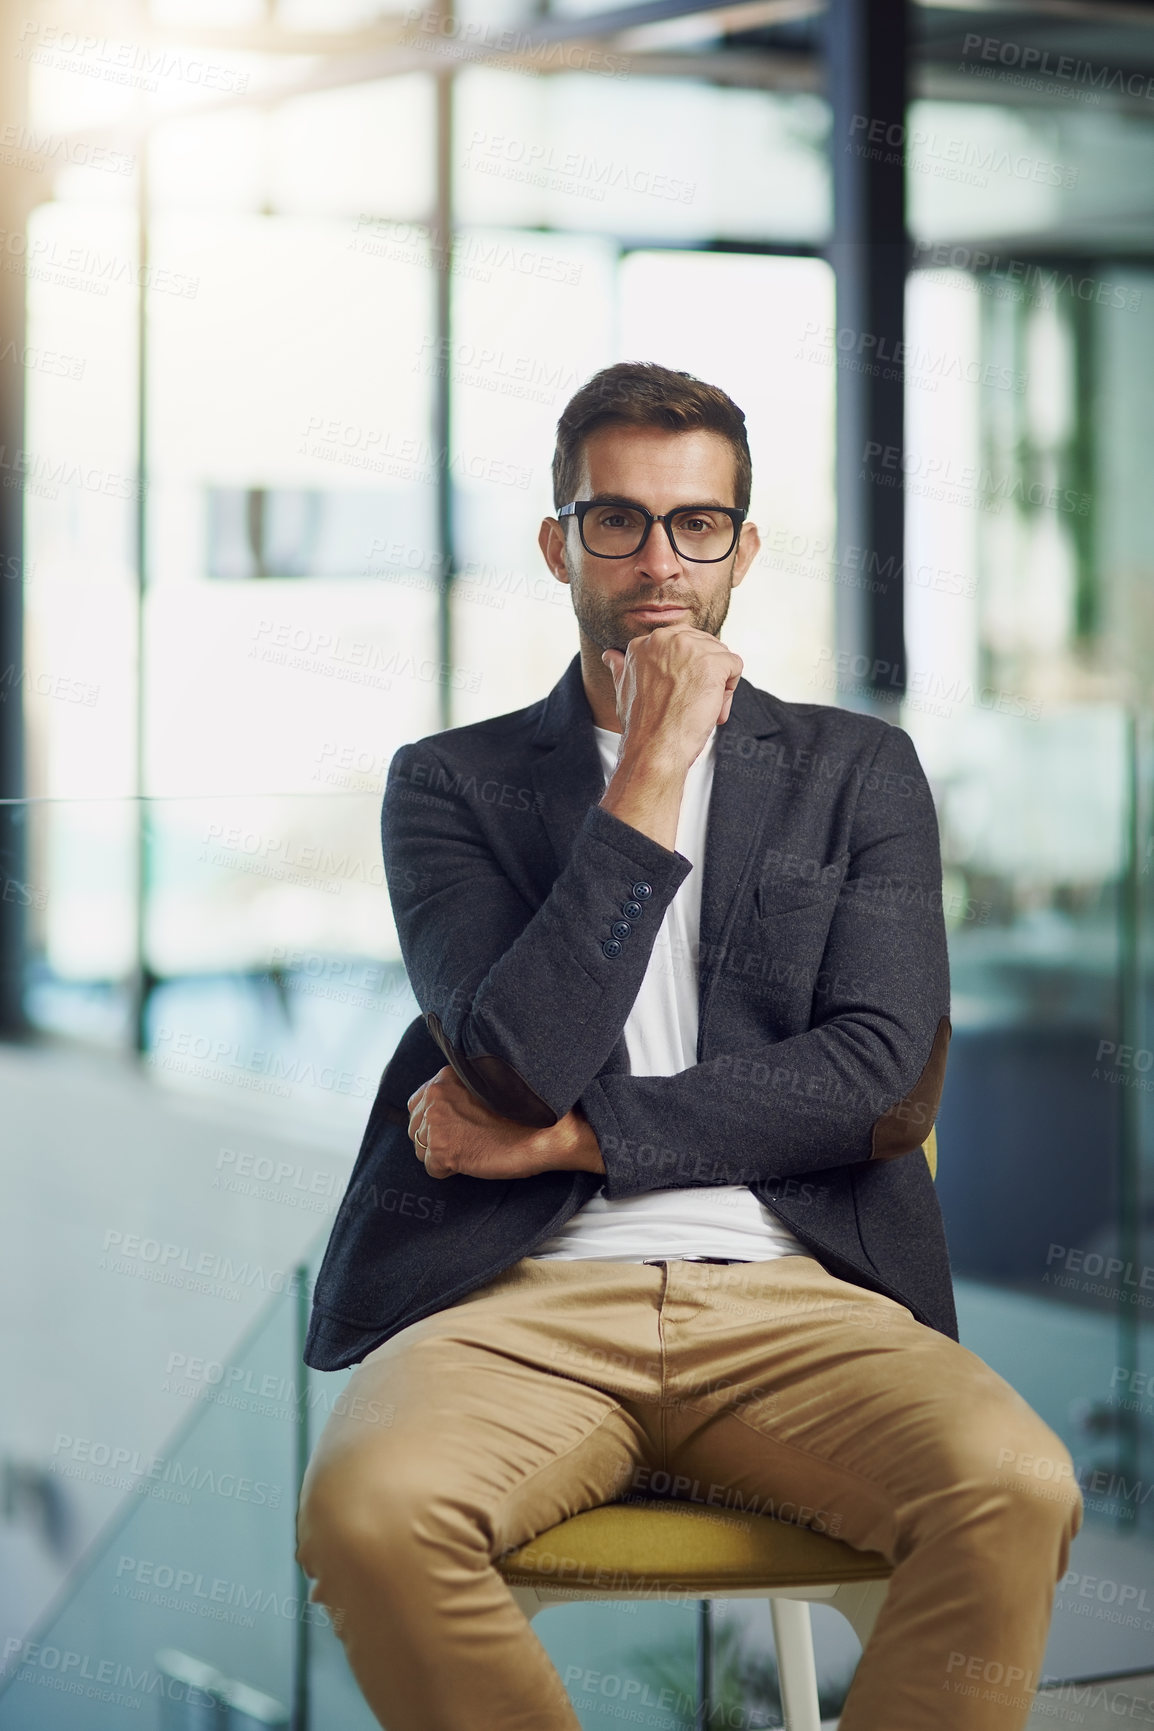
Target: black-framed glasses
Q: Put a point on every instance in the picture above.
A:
(702, 533)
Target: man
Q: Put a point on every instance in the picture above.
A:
(643, 1188)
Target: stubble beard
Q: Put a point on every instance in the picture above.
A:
(602, 621)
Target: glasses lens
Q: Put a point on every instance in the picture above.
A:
(703, 534)
(613, 530)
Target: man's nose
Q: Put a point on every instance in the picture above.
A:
(657, 558)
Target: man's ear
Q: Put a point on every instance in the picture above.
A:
(551, 540)
(748, 547)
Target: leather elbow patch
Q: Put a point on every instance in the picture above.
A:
(495, 1082)
(906, 1125)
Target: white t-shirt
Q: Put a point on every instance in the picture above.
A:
(661, 1039)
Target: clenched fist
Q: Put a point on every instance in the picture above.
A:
(453, 1131)
(673, 686)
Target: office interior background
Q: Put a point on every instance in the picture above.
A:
(292, 294)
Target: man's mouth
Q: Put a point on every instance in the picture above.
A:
(656, 610)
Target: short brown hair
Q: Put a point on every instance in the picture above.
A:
(643, 394)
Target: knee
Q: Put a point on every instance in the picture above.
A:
(373, 1510)
(1016, 1454)
(341, 1510)
(1041, 1477)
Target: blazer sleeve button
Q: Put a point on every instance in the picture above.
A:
(642, 891)
(611, 947)
(621, 928)
(632, 910)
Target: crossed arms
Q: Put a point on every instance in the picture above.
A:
(527, 1008)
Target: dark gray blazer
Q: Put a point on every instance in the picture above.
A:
(526, 915)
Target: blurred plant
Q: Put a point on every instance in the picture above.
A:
(35, 1495)
(746, 1687)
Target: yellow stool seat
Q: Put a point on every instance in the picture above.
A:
(930, 1150)
(657, 1543)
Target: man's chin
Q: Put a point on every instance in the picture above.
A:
(646, 627)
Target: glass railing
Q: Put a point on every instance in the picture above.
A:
(188, 1609)
(179, 1135)
(174, 1203)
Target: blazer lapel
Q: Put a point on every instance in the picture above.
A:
(738, 805)
(567, 774)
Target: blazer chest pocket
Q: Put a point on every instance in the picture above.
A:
(791, 882)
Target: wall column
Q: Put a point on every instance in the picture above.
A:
(867, 72)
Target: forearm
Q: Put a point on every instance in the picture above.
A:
(570, 1144)
(645, 791)
(833, 1096)
(453, 1132)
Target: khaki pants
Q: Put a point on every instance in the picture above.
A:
(771, 1386)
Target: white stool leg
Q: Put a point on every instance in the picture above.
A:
(526, 1600)
(860, 1603)
(796, 1670)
